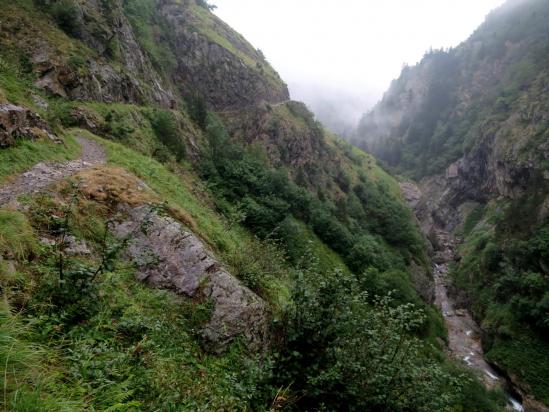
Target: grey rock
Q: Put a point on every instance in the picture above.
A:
(47, 242)
(17, 122)
(216, 73)
(76, 247)
(41, 176)
(169, 257)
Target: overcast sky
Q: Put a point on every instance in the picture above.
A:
(350, 49)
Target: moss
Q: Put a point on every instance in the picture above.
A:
(113, 184)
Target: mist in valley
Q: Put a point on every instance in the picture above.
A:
(340, 60)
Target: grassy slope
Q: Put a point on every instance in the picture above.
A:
(64, 376)
(166, 317)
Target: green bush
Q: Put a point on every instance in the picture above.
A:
(197, 110)
(65, 13)
(165, 128)
(341, 350)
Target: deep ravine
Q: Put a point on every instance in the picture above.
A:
(464, 342)
(463, 332)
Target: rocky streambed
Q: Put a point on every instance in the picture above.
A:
(464, 335)
(464, 342)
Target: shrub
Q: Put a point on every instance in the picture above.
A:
(340, 350)
(166, 130)
(197, 110)
(65, 13)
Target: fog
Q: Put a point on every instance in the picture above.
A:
(339, 57)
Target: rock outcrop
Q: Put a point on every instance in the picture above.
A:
(228, 74)
(169, 257)
(18, 122)
(104, 56)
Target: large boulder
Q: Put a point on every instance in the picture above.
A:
(169, 257)
(18, 122)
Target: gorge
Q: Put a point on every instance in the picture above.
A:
(178, 234)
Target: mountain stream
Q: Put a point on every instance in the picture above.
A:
(463, 333)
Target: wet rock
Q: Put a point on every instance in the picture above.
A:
(443, 256)
(461, 312)
(86, 119)
(18, 122)
(47, 242)
(531, 405)
(169, 257)
(411, 193)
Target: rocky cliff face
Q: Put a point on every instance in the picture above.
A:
(21, 123)
(108, 53)
(217, 62)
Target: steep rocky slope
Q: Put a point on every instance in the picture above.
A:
(471, 125)
(175, 234)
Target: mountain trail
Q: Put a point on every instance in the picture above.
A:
(43, 175)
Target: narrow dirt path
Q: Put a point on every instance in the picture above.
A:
(43, 175)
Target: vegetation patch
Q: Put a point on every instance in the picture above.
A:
(17, 159)
(16, 235)
(113, 184)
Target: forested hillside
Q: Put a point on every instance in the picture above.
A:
(471, 124)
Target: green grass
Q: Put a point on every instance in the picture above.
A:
(128, 124)
(30, 380)
(328, 260)
(139, 351)
(12, 88)
(16, 235)
(25, 154)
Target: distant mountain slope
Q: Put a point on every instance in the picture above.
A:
(493, 86)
